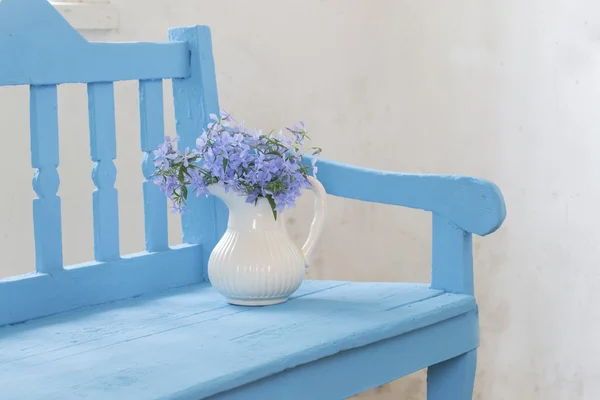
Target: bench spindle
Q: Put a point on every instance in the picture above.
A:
(152, 134)
(103, 146)
(44, 157)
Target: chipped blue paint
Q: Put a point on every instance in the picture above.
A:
(187, 343)
(331, 340)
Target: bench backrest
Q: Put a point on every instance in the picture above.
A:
(40, 49)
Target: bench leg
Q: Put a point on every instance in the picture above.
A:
(452, 379)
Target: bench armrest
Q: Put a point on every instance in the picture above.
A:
(460, 205)
(474, 205)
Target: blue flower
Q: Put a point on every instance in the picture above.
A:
(253, 164)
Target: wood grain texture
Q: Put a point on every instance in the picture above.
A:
(189, 344)
(152, 127)
(475, 205)
(195, 99)
(44, 49)
(357, 370)
(47, 222)
(30, 296)
(103, 148)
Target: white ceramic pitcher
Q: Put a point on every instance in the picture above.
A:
(256, 263)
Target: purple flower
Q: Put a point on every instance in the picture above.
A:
(251, 163)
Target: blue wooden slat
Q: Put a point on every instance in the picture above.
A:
(357, 370)
(32, 296)
(451, 257)
(475, 205)
(152, 134)
(103, 147)
(39, 47)
(44, 156)
(195, 98)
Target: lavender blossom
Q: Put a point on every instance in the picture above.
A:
(252, 164)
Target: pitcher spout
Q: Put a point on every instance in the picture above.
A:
(243, 215)
(228, 196)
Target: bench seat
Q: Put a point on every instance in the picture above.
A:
(188, 343)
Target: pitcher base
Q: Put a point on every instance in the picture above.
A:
(257, 302)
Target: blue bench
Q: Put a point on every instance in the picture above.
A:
(149, 325)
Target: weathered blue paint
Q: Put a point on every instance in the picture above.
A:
(152, 134)
(362, 368)
(44, 157)
(30, 296)
(195, 99)
(45, 50)
(187, 343)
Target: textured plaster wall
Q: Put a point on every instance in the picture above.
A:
(506, 90)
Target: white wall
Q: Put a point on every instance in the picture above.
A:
(505, 89)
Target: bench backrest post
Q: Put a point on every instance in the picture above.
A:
(195, 99)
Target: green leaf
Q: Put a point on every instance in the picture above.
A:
(187, 173)
(273, 206)
(184, 191)
(225, 161)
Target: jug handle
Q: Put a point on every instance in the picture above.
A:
(319, 217)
